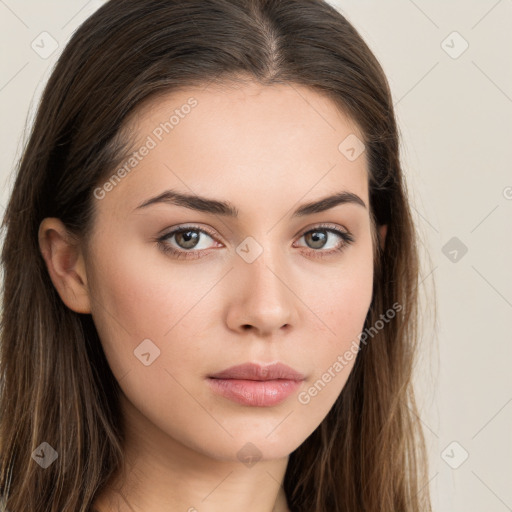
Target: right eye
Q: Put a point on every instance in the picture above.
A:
(187, 242)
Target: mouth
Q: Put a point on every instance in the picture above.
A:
(256, 393)
(255, 385)
(255, 371)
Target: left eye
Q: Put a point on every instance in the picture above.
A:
(318, 237)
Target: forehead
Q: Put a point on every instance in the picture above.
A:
(289, 112)
(283, 138)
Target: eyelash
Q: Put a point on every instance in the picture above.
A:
(195, 254)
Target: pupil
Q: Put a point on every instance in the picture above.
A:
(190, 238)
(318, 237)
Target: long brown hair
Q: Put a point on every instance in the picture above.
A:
(56, 385)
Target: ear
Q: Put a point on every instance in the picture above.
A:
(383, 229)
(65, 264)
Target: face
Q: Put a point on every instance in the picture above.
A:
(247, 280)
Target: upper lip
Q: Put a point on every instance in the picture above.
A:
(255, 371)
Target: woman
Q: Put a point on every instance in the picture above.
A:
(210, 297)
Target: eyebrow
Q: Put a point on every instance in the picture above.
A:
(227, 209)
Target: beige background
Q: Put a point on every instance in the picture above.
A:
(455, 114)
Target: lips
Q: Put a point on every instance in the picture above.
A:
(254, 385)
(254, 371)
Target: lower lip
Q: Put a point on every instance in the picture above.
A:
(258, 393)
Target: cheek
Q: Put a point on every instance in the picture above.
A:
(149, 322)
(342, 308)
(345, 295)
(137, 298)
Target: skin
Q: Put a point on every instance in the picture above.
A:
(267, 150)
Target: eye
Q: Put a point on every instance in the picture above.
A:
(190, 241)
(186, 238)
(318, 237)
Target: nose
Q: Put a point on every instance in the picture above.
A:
(261, 298)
